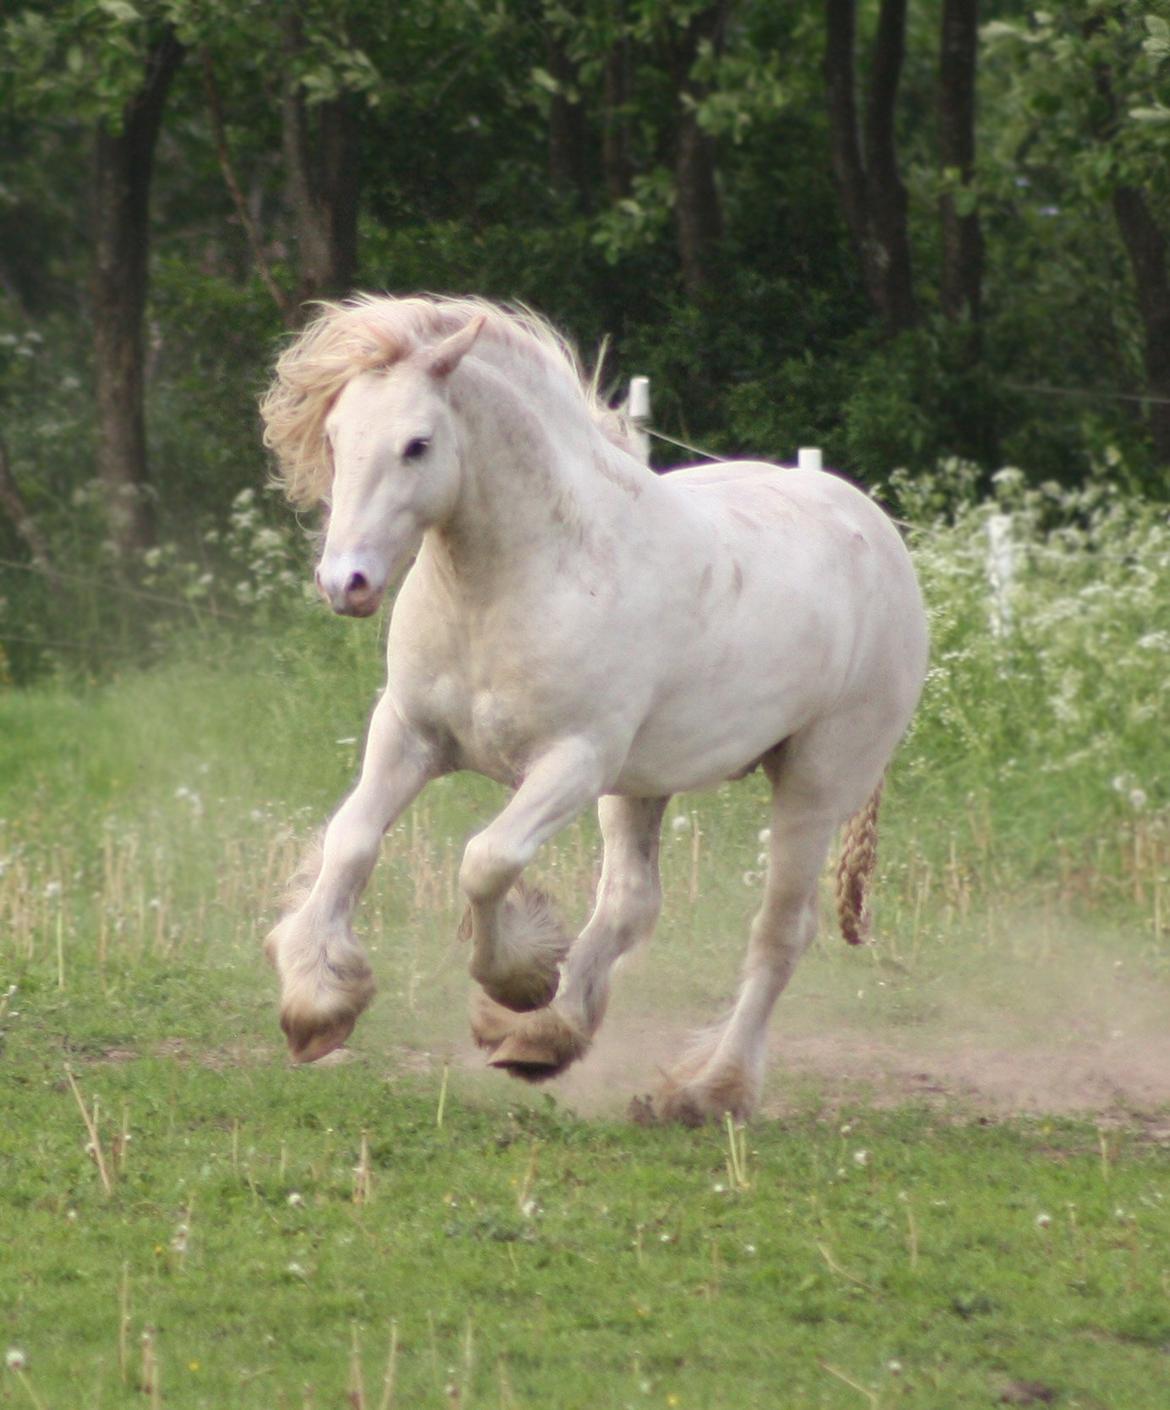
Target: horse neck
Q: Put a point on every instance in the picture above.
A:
(541, 482)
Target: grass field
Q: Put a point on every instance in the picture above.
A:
(956, 1194)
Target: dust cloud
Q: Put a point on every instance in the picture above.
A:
(1077, 1024)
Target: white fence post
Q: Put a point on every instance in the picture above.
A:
(809, 458)
(1002, 560)
(638, 410)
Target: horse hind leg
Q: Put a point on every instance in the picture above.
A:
(723, 1073)
(629, 897)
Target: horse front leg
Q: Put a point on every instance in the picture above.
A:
(325, 976)
(517, 946)
(539, 1045)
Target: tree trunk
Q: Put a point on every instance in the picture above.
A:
(962, 238)
(698, 208)
(321, 172)
(123, 161)
(615, 137)
(865, 162)
(1145, 243)
(12, 502)
(1148, 249)
(566, 124)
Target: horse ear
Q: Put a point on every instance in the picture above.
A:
(441, 360)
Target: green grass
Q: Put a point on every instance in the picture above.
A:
(885, 1235)
(528, 1257)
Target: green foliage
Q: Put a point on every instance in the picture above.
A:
(454, 102)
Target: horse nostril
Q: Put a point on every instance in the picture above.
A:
(357, 583)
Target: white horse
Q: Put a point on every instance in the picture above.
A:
(581, 630)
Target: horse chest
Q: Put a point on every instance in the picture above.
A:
(498, 737)
(489, 731)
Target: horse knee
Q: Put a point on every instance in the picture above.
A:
(487, 869)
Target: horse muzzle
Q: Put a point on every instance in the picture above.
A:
(350, 593)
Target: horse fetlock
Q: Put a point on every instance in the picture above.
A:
(518, 960)
(520, 990)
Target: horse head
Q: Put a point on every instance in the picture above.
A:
(396, 471)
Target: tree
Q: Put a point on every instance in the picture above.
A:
(321, 170)
(121, 102)
(961, 281)
(865, 157)
(123, 163)
(683, 41)
(1143, 235)
(1084, 114)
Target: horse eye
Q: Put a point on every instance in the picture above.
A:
(417, 448)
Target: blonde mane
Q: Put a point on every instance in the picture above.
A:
(374, 331)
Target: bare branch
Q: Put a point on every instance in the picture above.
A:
(223, 154)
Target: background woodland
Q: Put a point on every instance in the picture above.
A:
(914, 234)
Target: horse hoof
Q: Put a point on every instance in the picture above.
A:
(532, 1059)
(310, 1040)
(685, 1109)
(534, 1047)
(490, 1022)
(715, 1098)
(641, 1111)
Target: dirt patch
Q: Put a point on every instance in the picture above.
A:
(1077, 1077)
(1087, 1036)
(1129, 1076)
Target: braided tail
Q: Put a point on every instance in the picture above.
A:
(856, 868)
